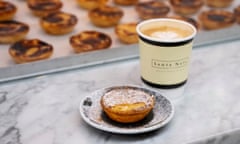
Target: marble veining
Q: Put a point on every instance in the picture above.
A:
(45, 109)
(3, 97)
(230, 137)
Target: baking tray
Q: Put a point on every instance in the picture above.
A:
(65, 59)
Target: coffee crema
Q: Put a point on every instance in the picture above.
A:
(166, 33)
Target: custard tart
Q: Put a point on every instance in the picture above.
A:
(7, 11)
(186, 7)
(30, 50)
(219, 3)
(188, 19)
(90, 41)
(91, 4)
(126, 32)
(58, 23)
(106, 16)
(152, 9)
(127, 105)
(43, 7)
(125, 2)
(216, 19)
(12, 31)
(237, 13)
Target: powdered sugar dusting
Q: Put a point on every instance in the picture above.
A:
(126, 96)
(92, 112)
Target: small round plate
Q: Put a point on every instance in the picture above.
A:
(92, 113)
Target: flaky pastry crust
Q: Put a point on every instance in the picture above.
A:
(90, 41)
(216, 19)
(219, 3)
(152, 9)
(58, 23)
(30, 50)
(43, 7)
(190, 20)
(12, 31)
(237, 13)
(106, 16)
(125, 2)
(7, 11)
(126, 32)
(186, 7)
(91, 4)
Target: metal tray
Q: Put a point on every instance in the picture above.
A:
(65, 59)
(103, 56)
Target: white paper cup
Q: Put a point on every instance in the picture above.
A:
(165, 50)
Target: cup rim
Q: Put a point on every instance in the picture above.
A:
(166, 19)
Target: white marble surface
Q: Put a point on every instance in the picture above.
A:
(44, 109)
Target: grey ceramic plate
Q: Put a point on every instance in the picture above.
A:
(92, 113)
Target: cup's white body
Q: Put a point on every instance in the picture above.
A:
(162, 62)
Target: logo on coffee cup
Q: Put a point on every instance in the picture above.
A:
(170, 65)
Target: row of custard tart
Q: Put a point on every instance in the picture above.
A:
(52, 20)
(61, 23)
(28, 50)
(110, 16)
(125, 32)
(55, 22)
(107, 16)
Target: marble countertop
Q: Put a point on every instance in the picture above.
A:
(44, 109)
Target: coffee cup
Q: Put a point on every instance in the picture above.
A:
(165, 47)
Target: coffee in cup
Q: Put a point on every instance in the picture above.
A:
(165, 50)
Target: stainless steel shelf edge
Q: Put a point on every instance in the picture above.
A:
(217, 36)
(67, 63)
(104, 56)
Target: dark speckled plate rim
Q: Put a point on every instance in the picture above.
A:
(131, 130)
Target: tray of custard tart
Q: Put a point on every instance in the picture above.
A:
(39, 37)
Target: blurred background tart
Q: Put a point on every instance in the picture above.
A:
(152, 9)
(125, 2)
(105, 16)
(188, 19)
(216, 19)
(186, 7)
(90, 40)
(126, 32)
(58, 23)
(7, 10)
(237, 13)
(43, 7)
(29, 50)
(91, 4)
(219, 3)
(12, 31)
